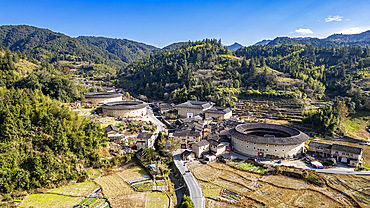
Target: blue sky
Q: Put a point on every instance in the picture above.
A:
(161, 23)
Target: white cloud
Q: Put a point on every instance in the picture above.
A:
(334, 18)
(353, 30)
(303, 31)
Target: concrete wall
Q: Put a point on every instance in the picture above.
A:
(277, 150)
(101, 101)
(125, 113)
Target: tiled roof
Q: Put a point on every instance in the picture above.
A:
(124, 105)
(102, 94)
(292, 136)
(187, 133)
(196, 104)
(349, 149)
(219, 110)
(202, 143)
(319, 145)
(144, 136)
(111, 128)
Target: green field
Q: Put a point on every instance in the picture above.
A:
(93, 173)
(50, 200)
(77, 189)
(251, 167)
(157, 200)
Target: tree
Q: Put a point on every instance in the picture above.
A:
(342, 111)
(159, 142)
(149, 154)
(186, 202)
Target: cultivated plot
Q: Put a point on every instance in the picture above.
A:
(77, 189)
(50, 201)
(113, 185)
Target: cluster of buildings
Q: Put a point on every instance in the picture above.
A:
(342, 153)
(211, 130)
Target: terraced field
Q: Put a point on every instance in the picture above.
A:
(77, 189)
(113, 186)
(50, 200)
(254, 190)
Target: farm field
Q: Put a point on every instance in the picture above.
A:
(254, 190)
(93, 173)
(113, 185)
(141, 199)
(134, 200)
(50, 201)
(77, 189)
(132, 173)
(157, 200)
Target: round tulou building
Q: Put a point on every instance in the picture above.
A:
(267, 140)
(125, 109)
(100, 98)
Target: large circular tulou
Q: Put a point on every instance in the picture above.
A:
(263, 140)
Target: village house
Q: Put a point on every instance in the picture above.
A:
(191, 108)
(216, 147)
(111, 131)
(200, 147)
(187, 155)
(218, 112)
(145, 140)
(188, 135)
(342, 153)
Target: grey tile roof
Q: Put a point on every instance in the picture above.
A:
(319, 145)
(213, 142)
(187, 133)
(124, 105)
(102, 94)
(292, 136)
(144, 136)
(349, 149)
(111, 128)
(196, 104)
(202, 143)
(219, 110)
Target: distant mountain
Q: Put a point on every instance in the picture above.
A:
(335, 40)
(127, 50)
(234, 46)
(292, 41)
(49, 46)
(263, 42)
(364, 36)
(302, 38)
(318, 42)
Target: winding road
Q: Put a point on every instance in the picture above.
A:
(151, 117)
(195, 191)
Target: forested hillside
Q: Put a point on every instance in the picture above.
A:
(318, 42)
(17, 72)
(342, 71)
(205, 70)
(364, 36)
(127, 50)
(49, 46)
(42, 143)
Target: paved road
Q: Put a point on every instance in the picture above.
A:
(195, 191)
(151, 117)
